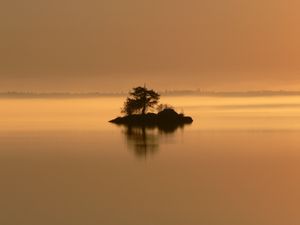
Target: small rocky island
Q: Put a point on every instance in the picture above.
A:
(141, 100)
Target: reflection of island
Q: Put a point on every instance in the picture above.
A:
(145, 140)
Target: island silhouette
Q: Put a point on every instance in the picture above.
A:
(140, 101)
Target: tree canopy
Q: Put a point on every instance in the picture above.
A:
(140, 100)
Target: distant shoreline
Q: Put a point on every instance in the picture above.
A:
(262, 93)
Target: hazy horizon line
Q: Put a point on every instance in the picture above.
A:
(197, 92)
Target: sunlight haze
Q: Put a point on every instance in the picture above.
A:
(114, 45)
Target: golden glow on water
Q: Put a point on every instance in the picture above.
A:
(61, 162)
(57, 114)
(217, 113)
(242, 113)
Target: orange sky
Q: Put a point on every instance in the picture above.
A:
(113, 45)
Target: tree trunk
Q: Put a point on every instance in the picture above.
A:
(144, 110)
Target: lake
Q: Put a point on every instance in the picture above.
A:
(61, 162)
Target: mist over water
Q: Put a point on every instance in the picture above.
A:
(61, 162)
(210, 113)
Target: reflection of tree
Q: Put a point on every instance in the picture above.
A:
(145, 140)
(141, 140)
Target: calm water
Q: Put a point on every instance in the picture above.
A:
(61, 162)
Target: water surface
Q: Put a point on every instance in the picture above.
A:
(61, 162)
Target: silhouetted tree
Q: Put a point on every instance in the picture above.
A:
(140, 100)
(162, 107)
